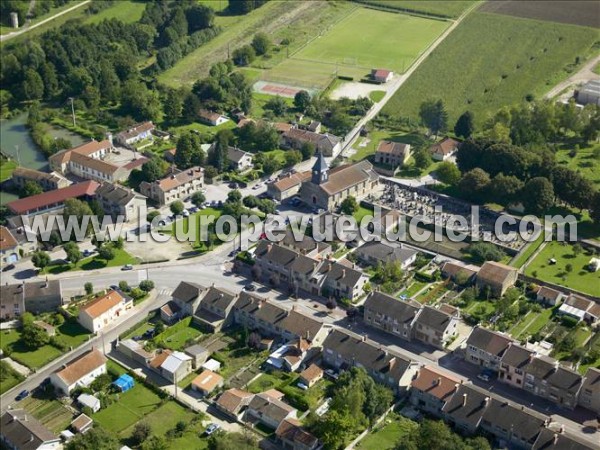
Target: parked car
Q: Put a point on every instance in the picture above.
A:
(21, 395)
(86, 253)
(127, 267)
(8, 267)
(331, 374)
(185, 213)
(250, 287)
(193, 209)
(483, 377)
(302, 386)
(233, 185)
(211, 428)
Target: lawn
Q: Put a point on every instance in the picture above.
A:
(176, 336)
(92, 263)
(130, 407)
(361, 212)
(584, 162)
(579, 278)
(6, 169)
(387, 436)
(413, 288)
(258, 106)
(369, 144)
(184, 225)
(528, 252)
(581, 335)
(508, 58)
(443, 8)
(386, 40)
(234, 359)
(523, 324)
(71, 333)
(432, 293)
(202, 128)
(9, 377)
(376, 96)
(124, 10)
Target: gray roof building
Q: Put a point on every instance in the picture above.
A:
(19, 430)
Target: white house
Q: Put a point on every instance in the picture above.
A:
(176, 366)
(135, 133)
(211, 118)
(239, 160)
(80, 372)
(104, 310)
(381, 75)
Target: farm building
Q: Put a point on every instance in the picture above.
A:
(381, 75)
(589, 93)
(124, 382)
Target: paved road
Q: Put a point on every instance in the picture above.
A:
(398, 81)
(583, 75)
(26, 27)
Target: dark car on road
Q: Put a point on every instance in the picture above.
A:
(24, 393)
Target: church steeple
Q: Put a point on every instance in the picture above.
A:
(320, 171)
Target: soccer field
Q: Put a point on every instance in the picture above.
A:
(371, 38)
(363, 40)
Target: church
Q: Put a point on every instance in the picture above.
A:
(327, 188)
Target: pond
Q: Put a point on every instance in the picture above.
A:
(14, 134)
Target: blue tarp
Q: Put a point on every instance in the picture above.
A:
(124, 382)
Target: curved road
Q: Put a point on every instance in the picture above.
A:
(25, 28)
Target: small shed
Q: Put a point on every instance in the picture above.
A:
(212, 364)
(90, 401)
(124, 382)
(82, 424)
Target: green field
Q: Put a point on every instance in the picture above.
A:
(92, 263)
(51, 413)
(579, 278)
(6, 169)
(71, 333)
(386, 40)
(129, 409)
(386, 437)
(9, 377)
(176, 336)
(124, 10)
(584, 162)
(444, 8)
(507, 58)
(528, 252)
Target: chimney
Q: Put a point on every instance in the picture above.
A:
(438, 381)
(364, 338)
(307, 335)
(294, 307)
(562, 429)
(555, 440)
(456, 385)
(46, 283)
(486, 401)
(464, 400)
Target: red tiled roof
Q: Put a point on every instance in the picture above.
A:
(34, 202)
(7, 240)
(382, 73)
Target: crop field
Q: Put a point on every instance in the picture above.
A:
(576, 12)
(507, 58)
(441, 8)
(387, 40)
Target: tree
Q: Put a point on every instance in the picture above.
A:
(152, 215)
(334, 428)
(505, 189)
(302, 100)
(40, 259)
(577, 250)
(234, 196)
(243, 56)
(261, 44)
(292, 157)
(349, 206)
(74, 255)
(124, 286)
(464, 125)
(198, 198)
(155, 443)
(474, 183)
(33, 85)
(152, 171)
(434, 116)
(277, 104)
(485, 251)
(538, 195)
(32, 336)
(94, 439)
(422, 159)
(189, 151)
(141, 432)
(78, 209)
(106, 252)
(199, 17)
(308, 150)
(448, 173)
(219, 151)
(89, 288)
(177, 207)
(146, 285)
(119, 243)
(31, 188)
